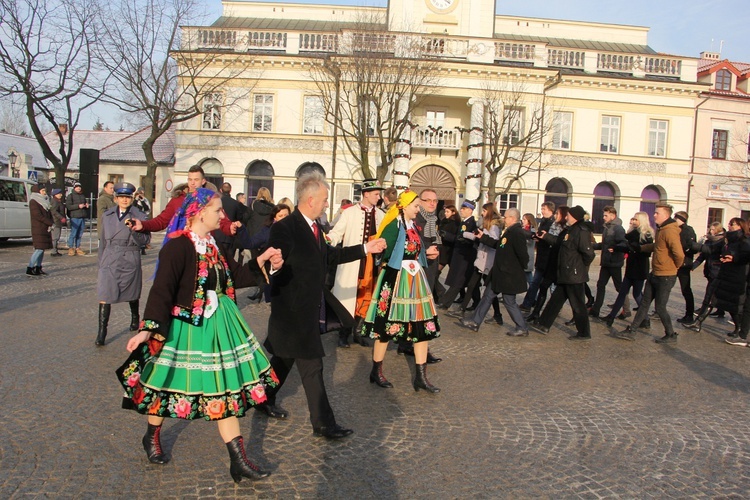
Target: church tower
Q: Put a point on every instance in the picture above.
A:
(473, 18)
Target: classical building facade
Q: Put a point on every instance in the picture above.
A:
(719, 187)
(619, 116)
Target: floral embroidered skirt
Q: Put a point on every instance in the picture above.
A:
(210, 372)
(402, 307)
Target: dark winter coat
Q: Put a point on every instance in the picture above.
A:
(687, 238)
(542, 247)
(576, 254)
(710, 253)
(297, 288)
(732, 275)
(554, 241)
(637, 263)
(71, 203)
(508, 272)
(261, 212)
(447, 228)
(57, 209)
(464, 253)
(612, 235)
(41, 221)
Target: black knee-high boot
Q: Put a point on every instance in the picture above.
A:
(737, 320)
(698, 322)
(152, 444)
(135, 319)
(104, 310)
(241, 466)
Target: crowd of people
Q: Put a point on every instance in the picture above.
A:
(373, 275)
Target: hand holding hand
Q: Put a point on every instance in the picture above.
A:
(137, 339)
(727, 258)
(272, 255)
(432, 252)
(376, 246)
(234, 227)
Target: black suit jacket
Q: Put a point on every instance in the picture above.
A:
(297, 288)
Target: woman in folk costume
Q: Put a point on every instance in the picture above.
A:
(402, 307)
(195, 357)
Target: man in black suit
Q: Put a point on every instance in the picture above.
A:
(301, 306)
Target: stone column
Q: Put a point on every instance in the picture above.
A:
(473, 179)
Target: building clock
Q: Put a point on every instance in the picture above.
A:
(442, 6)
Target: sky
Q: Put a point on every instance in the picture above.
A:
(684, 28)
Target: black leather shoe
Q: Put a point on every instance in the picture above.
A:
(571, 321)
(666, 339)
(335, 432)
(455, 314)
(688, 318)
(467, 323)
(610, 321)
(431, 360)
(343, 343)
(273, 411)
(539, 328)
(518, 333)
(627, 334)
(579, 337)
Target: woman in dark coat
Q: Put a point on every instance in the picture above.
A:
(710, 254)
(637, 263)
(448, 228)
(550, 271)
(261, 211)
(41, 224)
(462, 261)
(730, 280)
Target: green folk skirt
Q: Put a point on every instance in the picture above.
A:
(213, 371)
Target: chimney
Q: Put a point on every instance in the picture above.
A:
(714, 56)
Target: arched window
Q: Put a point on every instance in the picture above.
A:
(258, 174)
(214, 171)
(557, 191)
(650, 196)
(310, 166)
(604, 194)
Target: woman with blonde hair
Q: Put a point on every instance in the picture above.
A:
(636, 264)
(262, 207)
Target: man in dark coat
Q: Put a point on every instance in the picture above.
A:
(573, 260)
(232, 211)
(78, 208)
(301, 305)
(611, 262)
(542, 255)
(687, 238)
(507, 276)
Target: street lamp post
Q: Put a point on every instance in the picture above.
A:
(12, 156)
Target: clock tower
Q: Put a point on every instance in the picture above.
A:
(452, 17)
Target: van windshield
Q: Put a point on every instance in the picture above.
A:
(12, 191)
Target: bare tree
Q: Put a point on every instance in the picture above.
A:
(370, 86)
(45, 56)
(514, 131)
(12, 117)
(161, 77)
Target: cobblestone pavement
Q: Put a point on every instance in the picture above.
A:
(517, 417)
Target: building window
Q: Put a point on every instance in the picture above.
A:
(262, 113)
(506, 201)
(719, 145)
(723, 80)
(562, 129)
(212, 111)
(513, 125)
(314, 116)
(116, 178)
(657, 138)
(610, 137)
(715, 215)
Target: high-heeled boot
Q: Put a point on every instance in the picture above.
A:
(152, 444)
(101, 336)
(421, 382)
(696, 324)
(377, 377)
(241, 466)
(135, 319)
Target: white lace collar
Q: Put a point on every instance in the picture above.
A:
(201, 244)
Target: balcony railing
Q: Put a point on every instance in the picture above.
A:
(428, 137)
(348, 42)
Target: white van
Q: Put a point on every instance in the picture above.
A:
(15, 220)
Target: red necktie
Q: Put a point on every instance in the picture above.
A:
(316, 231)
